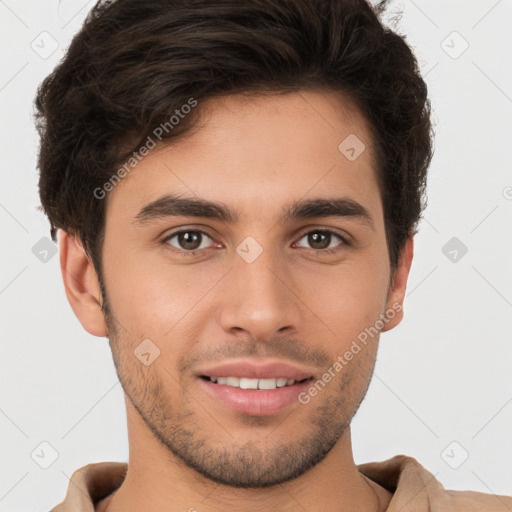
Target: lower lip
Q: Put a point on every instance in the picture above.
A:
(256, 402)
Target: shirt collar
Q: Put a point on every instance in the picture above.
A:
(411, 484)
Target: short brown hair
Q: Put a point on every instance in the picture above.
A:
(134, 62)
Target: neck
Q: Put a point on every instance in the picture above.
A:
(156, 480)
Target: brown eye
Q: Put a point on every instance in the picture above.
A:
(320, 240)
(188, 240)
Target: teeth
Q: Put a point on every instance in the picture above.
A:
(232, 381)
(248, 383)
(245, 383)
(267, 384)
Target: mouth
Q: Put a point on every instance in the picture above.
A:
(257, 386)
(253, 383)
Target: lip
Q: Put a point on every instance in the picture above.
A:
(256, 370)
(252, 401)
(255, 402)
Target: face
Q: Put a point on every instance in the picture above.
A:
(250, 289)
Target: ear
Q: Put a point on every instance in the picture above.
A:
(396, 292)
(81, 284)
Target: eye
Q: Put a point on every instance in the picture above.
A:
(321, 240)
(188, 240)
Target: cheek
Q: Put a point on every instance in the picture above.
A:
(348, 298)
(149, 295)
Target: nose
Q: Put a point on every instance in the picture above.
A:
(258, 298)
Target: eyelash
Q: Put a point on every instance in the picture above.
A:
(186, 253)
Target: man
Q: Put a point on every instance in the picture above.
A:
(236, 187)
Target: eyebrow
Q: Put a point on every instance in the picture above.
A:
(171, 205)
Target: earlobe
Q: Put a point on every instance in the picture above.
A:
(396, 294)
(81, 284)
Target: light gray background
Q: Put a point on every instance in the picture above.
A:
(443, 375)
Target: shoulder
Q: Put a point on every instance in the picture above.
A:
(472, 501)
(416, 488)
(91, 483)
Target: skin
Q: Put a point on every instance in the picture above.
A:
(292, 304)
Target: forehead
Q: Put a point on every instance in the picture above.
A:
(256, 152)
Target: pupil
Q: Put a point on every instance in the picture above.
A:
(187, 238)
(314, 239)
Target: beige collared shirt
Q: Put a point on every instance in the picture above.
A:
(414, 488)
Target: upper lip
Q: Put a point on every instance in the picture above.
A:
(256, 370)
